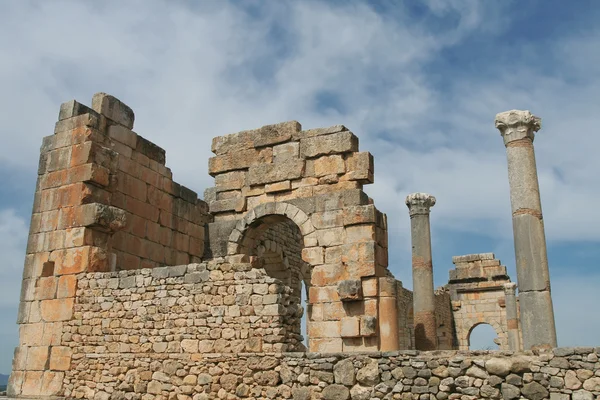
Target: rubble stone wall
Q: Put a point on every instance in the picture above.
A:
(567, 373)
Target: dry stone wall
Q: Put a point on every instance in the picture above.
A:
(570, 373)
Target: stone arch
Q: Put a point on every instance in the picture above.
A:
(272, 211)
(495, 326)
(272, 237)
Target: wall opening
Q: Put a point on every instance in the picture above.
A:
(483, 337)
(276, 243)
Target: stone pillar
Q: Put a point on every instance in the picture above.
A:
(512, 318)
(388, 315)
(425, 326)
(537, 316)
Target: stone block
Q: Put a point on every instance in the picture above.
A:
(233, 204)
(327, 274)
(274, 134)
(242, 159)
(336, 143)
(32, 383)
(324, 329)
(286, 151)
(113, 109)
(278, 187)
(360, 167)
(52, 383)
(370, 287)
(349, 290)
(37, 358)
(350, 327)
(313, 255)
(230, 181)
(330, 237)
(325, 345)
(368, 325)
(325, 294)
(67, 286)
(72, 109)
(45, 288)
(267, 173)
(60, 358)
(149, 150)
(329, 165)
(57, 310)
(354, 215)
(360, 233)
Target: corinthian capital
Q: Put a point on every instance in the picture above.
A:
(516, 124)
(510, 288)
(419, 203)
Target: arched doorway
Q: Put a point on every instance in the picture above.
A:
(274, 243)
(483, 336)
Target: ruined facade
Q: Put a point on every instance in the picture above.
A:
(134, 288)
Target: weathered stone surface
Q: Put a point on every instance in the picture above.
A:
(498, 366)
(343, 372)
(335, 143)
(368, 375)
(336, 392)
(350, 290)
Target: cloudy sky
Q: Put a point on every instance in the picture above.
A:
(419, 82)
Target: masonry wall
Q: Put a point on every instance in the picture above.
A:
(565, 374)
(444, 317)
(104, 201)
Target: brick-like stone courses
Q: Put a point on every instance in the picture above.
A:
(568, 373)
(344, 235)
(477, 289)
(281, 162)
(104, 200)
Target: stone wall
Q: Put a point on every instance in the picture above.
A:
(444, 317)
(104, 201)
(560, 375)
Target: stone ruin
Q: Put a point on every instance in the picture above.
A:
(134, 288)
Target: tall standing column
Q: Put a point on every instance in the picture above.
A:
(425, 326)
(512, 318)
(537, 315)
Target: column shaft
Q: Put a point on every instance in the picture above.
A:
(537, 315)
(425, 325)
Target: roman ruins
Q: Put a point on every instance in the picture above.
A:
(136, 289)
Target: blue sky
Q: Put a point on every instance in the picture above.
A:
(418, 81)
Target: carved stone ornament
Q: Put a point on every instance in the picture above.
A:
(419, 203)
(516, 124)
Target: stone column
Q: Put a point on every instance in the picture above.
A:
(537, 316)
(419, 205)
(512, 318)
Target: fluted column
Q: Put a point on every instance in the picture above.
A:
(425, 326)
(537, 315)
(512, 318)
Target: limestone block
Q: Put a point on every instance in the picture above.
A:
(32, 383)
(343, 372)
(366, 214)
(242, 159)
(327, 274)
(278, 187)
(370, 287)
(350, 327)
(330, 237)
(313, 255)
(368, 325)
(123, 135)
(336, 392)
(360, 167)
(234, 204)
(325, 345)
(268, 173)
(57, 310)
(359, 233)
(274, 134)
(37, 358)
(45, 288)
(230, 180)
(67, 285)
(72, 109)
(60, 358)
(323, 294)
(350, 290)
(336, 143)
(286, 151)
(114, 109)
(329, 165)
